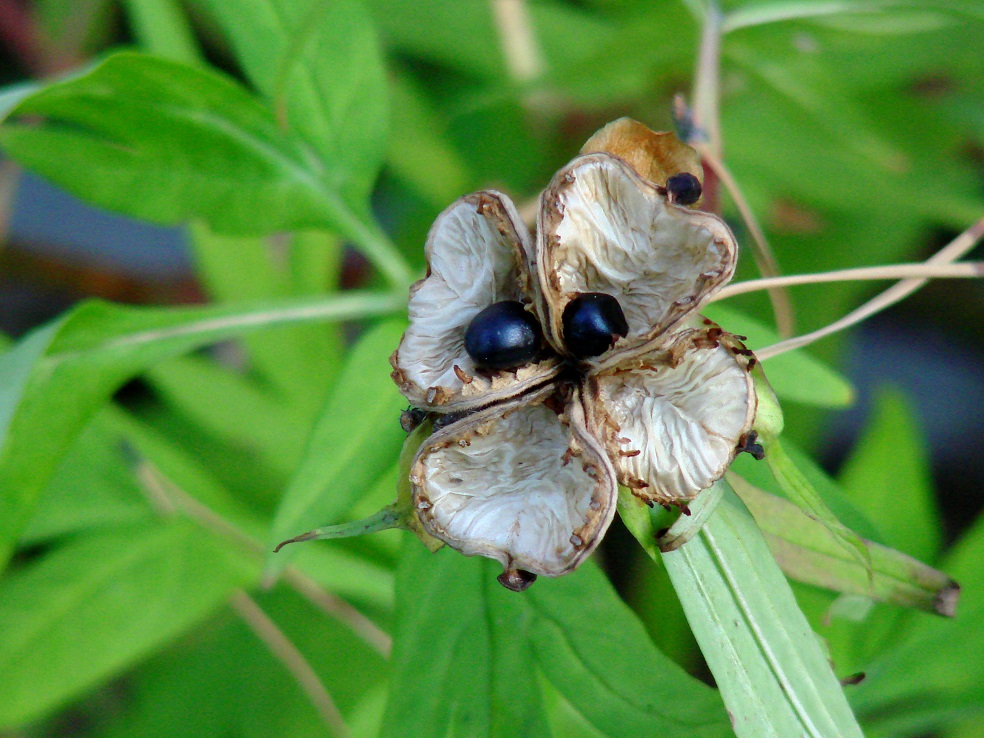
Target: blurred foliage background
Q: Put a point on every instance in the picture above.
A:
(855, 131)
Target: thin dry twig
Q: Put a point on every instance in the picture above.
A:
(964, 269)
(706, 140)
(168, 498)
(291, 657)
(949, 253)
(517, 39)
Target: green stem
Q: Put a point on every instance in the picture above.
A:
(388, 517)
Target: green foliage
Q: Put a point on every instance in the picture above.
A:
(140, 589)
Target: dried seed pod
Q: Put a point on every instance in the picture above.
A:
(601, 228)
(672, 423)
(517, 483)
(477, 252)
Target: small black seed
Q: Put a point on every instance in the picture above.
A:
(503, 336)
(593, 321)
(411, 418)
(683, 188)
(516, 579)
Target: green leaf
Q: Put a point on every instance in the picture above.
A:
(163, 29)
(466, 653)
(354, 440)
(933, 675)
(794, 375)
(98, 347)
(888, 479)
(461, 663)
(321, 66)
(767, 662)
(595, 651)
(166, 142)
(808, 552)
(95, 606)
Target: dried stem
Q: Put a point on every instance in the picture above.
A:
(707, 142)
(519, 48)
(951, 252)
(168, 498)
(966, 269)
(291, 657)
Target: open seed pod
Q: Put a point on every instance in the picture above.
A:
(477, 255)
(522, 483)
(672, 420)
(603, 229)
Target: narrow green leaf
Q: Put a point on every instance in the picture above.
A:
(933, 675)
(808, 552)
(98, 347)
(354, 440)
(795, 375)
(767, 662)
(888, 479)
(321, 66)
(95, 606)
(461, 662)
(162, 28)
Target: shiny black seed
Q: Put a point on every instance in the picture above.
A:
(593, 321)
(684, 188)
(503, 336)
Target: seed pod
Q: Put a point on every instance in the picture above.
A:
(602, 228)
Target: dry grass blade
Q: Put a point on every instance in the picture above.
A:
(948, 254)
(290, 656)
(968, 269)
(519, 49)
(168, 498)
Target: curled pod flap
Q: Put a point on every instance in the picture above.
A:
(477, 254)
(522, 483)
(671, 423)
(602, 228)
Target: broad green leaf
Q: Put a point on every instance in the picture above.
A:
(353, 442)
(55, 378)
(767, 662)
(457, 628)
(594, 650)
(888, 479)
(166, 142)
(461, 663)
(163, 29)
(320, 65)
(795, 375)
(95, 606)
(808, 552)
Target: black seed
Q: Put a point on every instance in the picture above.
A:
(411, 418)
(503, 336)
(593, 321)
(684, 188)
(516, 579)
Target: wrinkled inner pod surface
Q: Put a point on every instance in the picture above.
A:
(503, 336)
(509, 487)
(592, 322)
(683, 188)
(672, 429)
